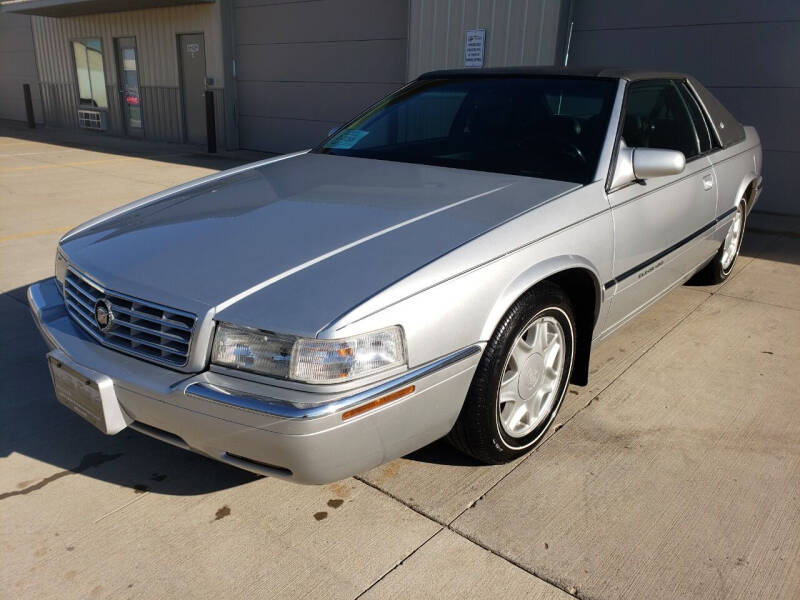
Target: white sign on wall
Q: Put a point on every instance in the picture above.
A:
(474, 46)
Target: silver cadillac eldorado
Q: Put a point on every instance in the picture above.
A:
(439, 266)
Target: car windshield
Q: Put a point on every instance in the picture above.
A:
(548, 127)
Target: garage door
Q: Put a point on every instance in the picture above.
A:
(304, 67)
(747, 53)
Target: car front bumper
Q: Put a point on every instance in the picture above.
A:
(267, 429)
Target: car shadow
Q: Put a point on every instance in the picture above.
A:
(773, 246)
(34, 424)
(441, 452)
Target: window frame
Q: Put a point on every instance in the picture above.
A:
(79, 105)
(686, 96)
(716, 143)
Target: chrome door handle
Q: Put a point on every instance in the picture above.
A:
(708, 182)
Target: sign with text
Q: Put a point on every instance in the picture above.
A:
(474, 47)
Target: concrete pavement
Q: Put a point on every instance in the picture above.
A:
(675, 473)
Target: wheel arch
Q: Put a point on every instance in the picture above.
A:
(747, 189)
(581, 282)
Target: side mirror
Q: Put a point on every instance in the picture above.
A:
(654, 162)
(637, 164)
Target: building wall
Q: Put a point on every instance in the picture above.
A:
(305, 67)
(156, 33)
(518, 32)
(747, 53)
(17, 66)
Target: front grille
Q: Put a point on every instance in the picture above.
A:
(141, 328)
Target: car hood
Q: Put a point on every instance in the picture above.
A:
(292, 244)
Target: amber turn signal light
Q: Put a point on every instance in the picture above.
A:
(360, 410)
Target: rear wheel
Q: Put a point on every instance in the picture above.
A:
(721, 266)
(521, 379)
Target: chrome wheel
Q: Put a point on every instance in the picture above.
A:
(530, 382)
(732, 239)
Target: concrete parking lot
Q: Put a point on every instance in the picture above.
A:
(674, 474)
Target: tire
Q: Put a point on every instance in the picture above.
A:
(720, 267)
(485, 428)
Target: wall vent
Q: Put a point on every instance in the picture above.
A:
(92, 119)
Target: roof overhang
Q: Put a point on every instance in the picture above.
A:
(75, 8)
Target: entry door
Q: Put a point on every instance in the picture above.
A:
(662, 225)
(192, 53)
(128, 78)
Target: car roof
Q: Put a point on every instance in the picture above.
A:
(628, 74)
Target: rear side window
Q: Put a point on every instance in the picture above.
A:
(700, 124)
(657, 117)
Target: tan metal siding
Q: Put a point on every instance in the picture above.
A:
(518, 32)
(156, 33)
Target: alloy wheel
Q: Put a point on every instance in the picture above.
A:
(732, 239)
(530, 382)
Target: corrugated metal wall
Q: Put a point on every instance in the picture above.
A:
(518, 32)
(155, 31)
(303, 67)
(17, 66)
(747, 53)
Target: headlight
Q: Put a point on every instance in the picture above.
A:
(329, 361)
(253, 350)
(306, 359)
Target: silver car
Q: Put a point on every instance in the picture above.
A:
(439, 266)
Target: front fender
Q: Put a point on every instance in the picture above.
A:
(530, 277)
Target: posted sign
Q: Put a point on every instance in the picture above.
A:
(474, 45)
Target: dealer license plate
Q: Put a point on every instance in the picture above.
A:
(88, 393)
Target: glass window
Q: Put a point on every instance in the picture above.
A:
(548, 127)
(700, 124)
(656, 117)
(89, 71)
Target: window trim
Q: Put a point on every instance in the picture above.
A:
(79, 105)
(681, 85)
(696, 133)
(716, 141)
(612, 164)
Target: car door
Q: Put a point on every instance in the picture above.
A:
(659, 223)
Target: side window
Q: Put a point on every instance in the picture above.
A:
(700, 124)
(657, 117)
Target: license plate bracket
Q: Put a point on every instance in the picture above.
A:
(88, 393)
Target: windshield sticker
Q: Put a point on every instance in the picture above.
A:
(347, 139)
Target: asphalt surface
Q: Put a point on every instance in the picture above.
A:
(675, 473)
